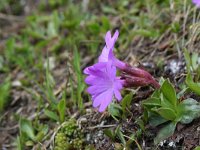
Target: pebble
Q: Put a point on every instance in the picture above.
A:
(172, 144)
(175, 66)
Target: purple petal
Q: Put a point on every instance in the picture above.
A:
(111, 70)
(86, 71)
(119, 64)
(115, 36)
(196, 2)
(97, 89)
(90, 80)
(104, 55)
(117, 95)
(107, 100)
(118, 84)
(108, 39)
(110, 42)
(98, 100)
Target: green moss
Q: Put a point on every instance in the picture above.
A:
(61, 142)
(69, 137)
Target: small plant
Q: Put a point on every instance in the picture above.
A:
(29, 134)
(118, 134)
(4, 92)
(80, 84)
(193, 71)
(164, 106)
(104, 84)
(69, 137)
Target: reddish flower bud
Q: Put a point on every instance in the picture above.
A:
(139, 76)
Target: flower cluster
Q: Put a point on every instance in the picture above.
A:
(102, 80)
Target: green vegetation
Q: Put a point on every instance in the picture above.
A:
(164, 106)
(43, 53)
(69, 137)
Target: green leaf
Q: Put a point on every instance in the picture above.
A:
(115, 110)
(197, 148)
(161, 81)
(169, 92)
(156, 94)
(19, 144)
(109, 10)
(4, 93)
(51, 30)
(167, 113)
(61, 108)
(42, 132)
(146, 33)
(109, 133)
(126, 101)
(81, 85)
(155, 119)
(141, 124)
(51, 115)
(182, 92)
(94, 28)
(165, 132)
(152, 102)
(131, 140)
(195, 87)
(105, 23)
(188, 110)
(26, 127)
(195, 57)
(120, 135)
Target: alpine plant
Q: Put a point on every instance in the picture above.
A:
(104, 84)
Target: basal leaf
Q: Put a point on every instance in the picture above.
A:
(155, 119)
(115, 110)
(165, 132)
(151, 102)
(169, 92)
(188, 110)
(126, 101)
(167, 113)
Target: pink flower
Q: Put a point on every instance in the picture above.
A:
(196, 2)
(103, 84)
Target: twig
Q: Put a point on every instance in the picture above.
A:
(101, 126)
(10, 128)
(11, 17)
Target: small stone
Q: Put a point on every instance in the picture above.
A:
(88, 137)
(161, 143)
(172, 144)
(16, 83)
